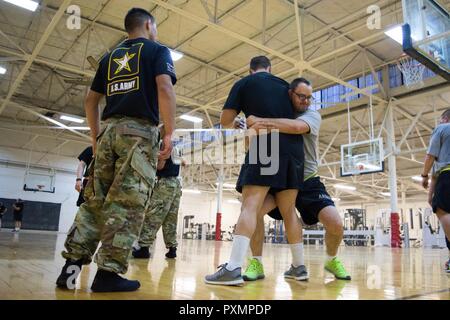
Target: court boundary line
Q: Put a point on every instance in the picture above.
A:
(422, 294)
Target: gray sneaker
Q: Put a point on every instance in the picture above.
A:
(298, 273)
(225, 277)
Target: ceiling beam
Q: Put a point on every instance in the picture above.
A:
(276, 53)
(35, 52)
(29, 110)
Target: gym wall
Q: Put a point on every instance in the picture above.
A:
(12, 169)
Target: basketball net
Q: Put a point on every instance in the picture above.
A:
(412, 72)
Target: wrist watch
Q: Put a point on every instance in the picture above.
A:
(78, 179)
(424, 175)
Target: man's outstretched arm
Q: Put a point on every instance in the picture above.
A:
(289, 126)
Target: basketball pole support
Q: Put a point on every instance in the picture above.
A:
(219, 204)
(395, 223)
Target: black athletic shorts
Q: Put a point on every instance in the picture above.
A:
(309, 202)
(441, 197)
(18, 216)
(81, 200)
(289, 173)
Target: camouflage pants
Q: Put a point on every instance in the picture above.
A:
(163, 210)
(122, 177)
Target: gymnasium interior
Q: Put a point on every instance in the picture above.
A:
(379, 100)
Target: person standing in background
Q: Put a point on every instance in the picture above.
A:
(85, 159)
(438, 159)
(18, 215)
(163, 211)
(3, 210)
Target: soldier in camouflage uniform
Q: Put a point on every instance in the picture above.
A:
(163, 210)
(137, 79)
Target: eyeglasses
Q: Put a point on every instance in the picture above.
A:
(303, 97)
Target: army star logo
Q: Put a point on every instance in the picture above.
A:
(123, 62)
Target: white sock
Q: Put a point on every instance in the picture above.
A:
(329, 258)
(259, 258)
(297, 254)
(238, 252)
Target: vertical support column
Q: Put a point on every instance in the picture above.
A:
(264, 21)
(299, 23)
(386, 81)
(219, 204)
(405, 224)
(395, 226)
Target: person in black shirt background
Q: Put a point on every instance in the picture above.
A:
(163, 211)
(18, 215)
(85, 159)
(3, 210)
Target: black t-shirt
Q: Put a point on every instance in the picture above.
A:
(267, 96)
(20, 206)
(262, 95)
(127, 76)
(86, 157)
(170, 169)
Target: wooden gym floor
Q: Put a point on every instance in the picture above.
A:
(30, 263)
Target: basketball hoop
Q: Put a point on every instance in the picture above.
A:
(412, 72)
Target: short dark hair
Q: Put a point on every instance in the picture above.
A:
(260, 62)
(294, 84)
(137, 17)
(446, 114)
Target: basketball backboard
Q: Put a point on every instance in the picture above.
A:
(362, 157)
(426, 34)
(39, 181)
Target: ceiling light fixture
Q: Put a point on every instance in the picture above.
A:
(71, 119)
(176, 55)
(395, 34)
(344, 187)
(26, 4)
(191, 118)
(227, 185)
(193, 191)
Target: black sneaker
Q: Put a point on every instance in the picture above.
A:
(63, 279)
(172, 253)
(106, 281)
(141, 253)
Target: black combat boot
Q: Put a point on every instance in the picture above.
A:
(141, 253)
(63, 278)
(107, 281)
(172, 253)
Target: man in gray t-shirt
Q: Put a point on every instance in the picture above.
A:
(310, 142)
(438, 158)
(314, 203)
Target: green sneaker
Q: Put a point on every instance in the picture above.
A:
(336, 267)
(254, 271)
